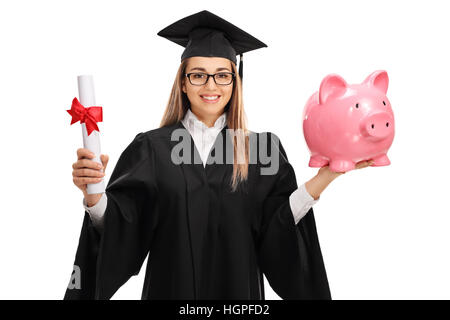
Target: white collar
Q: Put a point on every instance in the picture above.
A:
(191, 119)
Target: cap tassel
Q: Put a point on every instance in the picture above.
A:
(241, 65)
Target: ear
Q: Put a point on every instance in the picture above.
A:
(183, 85)
(378, 79)
(332, 85)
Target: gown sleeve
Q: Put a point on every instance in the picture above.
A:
(108, 257)
(289, 253)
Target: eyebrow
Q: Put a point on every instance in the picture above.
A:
(203, 69)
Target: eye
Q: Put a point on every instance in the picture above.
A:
(357, 105)
(384, 103)
(198, 75)
(222, 75)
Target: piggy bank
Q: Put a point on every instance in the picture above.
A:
(347, 123)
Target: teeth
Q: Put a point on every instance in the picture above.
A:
(210, 98)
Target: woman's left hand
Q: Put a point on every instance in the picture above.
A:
(327, 172)
(363, 164)
(324, 176)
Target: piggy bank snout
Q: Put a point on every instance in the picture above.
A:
(377, 126)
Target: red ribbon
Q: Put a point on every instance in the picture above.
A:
(90, 115)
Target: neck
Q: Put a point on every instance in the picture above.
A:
(208, 120)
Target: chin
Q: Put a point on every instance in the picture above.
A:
(212, 109)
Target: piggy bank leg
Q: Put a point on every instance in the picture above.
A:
(382, 160)
(339, 165)
(318, 161)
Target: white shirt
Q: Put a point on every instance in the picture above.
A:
(204, 137)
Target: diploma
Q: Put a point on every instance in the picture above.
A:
(90, 141)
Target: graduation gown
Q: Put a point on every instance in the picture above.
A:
(203, 241)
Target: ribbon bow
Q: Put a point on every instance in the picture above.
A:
(90, 115)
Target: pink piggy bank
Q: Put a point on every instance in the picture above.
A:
(344, 124)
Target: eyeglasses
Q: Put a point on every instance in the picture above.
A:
(200, 78)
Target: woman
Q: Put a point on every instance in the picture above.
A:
(213, 216)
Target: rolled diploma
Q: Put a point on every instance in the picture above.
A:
(92, 142)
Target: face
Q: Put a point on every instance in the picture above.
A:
(198, 94)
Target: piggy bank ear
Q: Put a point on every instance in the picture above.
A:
(378, 79)
(331, 86)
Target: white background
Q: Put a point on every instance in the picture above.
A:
(384, 231)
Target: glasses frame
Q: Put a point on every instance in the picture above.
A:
(233, 76)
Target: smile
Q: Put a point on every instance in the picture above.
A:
(210, 99)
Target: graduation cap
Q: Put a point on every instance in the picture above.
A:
(207, 35)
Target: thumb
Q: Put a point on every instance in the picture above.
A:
(104, 158)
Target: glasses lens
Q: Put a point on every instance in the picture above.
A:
(224, 78)
(197, 78)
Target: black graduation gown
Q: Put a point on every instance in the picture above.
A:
(204, 242)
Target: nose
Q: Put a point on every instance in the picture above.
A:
(378, 125)
(210, 83)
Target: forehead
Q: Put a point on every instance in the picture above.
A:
(210, 64)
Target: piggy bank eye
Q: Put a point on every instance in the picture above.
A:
(384, 103)
(357, 105)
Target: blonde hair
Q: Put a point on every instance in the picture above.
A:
(236, 120)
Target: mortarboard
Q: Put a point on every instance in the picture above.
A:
(207, 35)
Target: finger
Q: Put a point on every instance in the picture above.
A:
(84, 180)
(83, 153)
(86, 163)
(362, 164)
(104, 158)
(87, 173)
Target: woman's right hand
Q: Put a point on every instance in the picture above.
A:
(86, 171)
